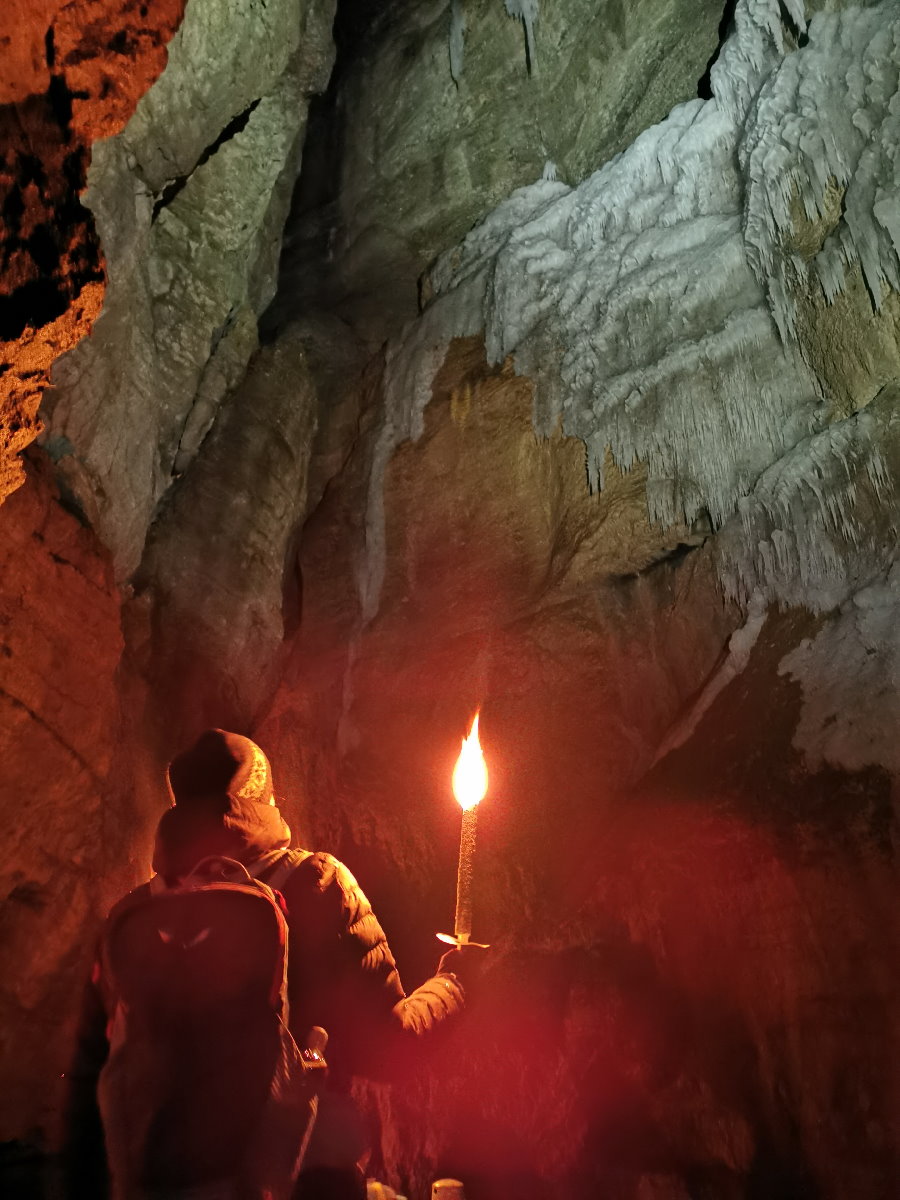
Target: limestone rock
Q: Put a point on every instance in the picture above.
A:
(190, 201)
(232, 521)
(72, 73)
(422, 158)
(566, 614)
(684, 929)
(649, 306)
(591, 488)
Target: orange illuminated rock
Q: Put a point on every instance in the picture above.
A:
(60, 646)
(24, 48)
(110, 52)
(71, 73)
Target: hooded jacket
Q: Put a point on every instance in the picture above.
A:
(341, 972)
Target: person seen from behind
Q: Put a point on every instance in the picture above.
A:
(187, 1083)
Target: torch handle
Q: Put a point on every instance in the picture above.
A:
(463, 922)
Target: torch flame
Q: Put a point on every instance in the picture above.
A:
(470, 775)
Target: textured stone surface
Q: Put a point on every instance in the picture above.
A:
(688, 854)
(408, 160)
(72, 73)
(686, 860)
(60, 646)
(215, 650)
(78, 711)
(652, 307)
(574, 623)
(189, 201)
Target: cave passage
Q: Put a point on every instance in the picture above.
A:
(370, 366)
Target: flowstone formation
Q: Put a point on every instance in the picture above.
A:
(646, 303)
(402, 160)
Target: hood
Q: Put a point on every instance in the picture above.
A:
(246, 830)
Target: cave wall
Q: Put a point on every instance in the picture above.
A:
(162, 206)
(626, 478)
(73, 73)
(688, 895)
(190, 201)
(628, 482)
(61, 646)
(404, 158)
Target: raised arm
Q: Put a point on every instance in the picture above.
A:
(344, 972)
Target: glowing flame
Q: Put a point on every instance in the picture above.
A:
(470, 775)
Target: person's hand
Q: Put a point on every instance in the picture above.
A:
(465, 962)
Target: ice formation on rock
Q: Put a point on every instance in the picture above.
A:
(651, 304)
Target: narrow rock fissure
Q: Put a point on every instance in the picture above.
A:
(704, 84)
(235, 126)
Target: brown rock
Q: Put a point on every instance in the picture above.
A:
(691, 986)
(60, 644)
(216, 651)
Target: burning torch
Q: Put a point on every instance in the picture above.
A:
(470, 781)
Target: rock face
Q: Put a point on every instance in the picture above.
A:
(190, 212)
(627, 479)
(402, 160)
(684, 892)
(189, 202)
(216, 657)
(689, 846)
(58, 733)
(73, 73)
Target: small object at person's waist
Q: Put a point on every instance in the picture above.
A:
(313, 1051)
(381, 1191)
(447, 1189)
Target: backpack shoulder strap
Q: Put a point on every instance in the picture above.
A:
(216, 868)
(277, 876)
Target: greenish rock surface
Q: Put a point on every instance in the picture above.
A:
(190, 201)
(416, 159)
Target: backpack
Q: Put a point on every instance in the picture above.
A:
(205, 1092)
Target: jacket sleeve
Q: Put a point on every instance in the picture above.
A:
(83, 1151)
(370, 1020)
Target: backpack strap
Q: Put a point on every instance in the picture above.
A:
(273, 870)
(216, 868)
(277, 876)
